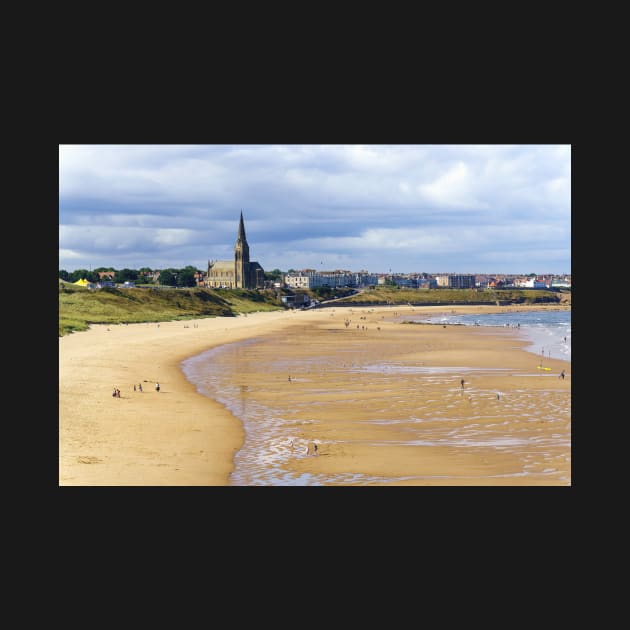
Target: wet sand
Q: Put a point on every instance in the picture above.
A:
(391, 407)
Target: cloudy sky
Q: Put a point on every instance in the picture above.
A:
(404, 208)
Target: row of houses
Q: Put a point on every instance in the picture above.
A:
(546, 281)
(312, 279)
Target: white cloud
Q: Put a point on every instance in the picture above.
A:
(454, 188)
(346, 201)
(68, 254)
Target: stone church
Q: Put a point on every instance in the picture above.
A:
(239, 273)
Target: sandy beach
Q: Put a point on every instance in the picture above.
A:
(181, 437)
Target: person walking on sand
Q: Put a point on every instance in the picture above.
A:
(140, 387)
(117, 393)
(561, 375)
(157, 387)
(134, 387)
(462, 382)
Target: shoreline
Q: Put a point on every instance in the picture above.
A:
(174, 437)
(177, 436)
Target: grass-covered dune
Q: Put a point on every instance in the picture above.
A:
(79, 307)
(428, 297)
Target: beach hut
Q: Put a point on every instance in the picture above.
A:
(82, 282)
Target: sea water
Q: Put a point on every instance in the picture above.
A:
(548, 332)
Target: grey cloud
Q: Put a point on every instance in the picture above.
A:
(302, 201)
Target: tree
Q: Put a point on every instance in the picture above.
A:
(77, 274)
(63, 274)
(166, 278)
(124, 275)
(186, 278)
(276, 274)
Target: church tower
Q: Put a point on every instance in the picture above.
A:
(241, 258)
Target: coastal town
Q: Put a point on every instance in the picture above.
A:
(243, 273)
(311, 278)
(404, 318)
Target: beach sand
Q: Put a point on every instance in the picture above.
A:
(180, 437)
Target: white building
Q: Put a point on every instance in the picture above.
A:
(311, 279)
(532, 283)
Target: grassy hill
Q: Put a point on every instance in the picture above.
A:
(419, 297)
(79, 307)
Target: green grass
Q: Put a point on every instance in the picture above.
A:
(393, 295)
(79, 307)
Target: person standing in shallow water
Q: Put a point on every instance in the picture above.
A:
(462, 382)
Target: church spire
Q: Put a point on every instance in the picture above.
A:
(241, 230)
(241, 257)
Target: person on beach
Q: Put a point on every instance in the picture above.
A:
(462, 382)
(140, 387)
(114, 393)
(157, 387)
(134, 387)
(561, 375)
(314, 448)
(117, 393)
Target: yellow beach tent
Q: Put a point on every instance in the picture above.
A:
(82, 282)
